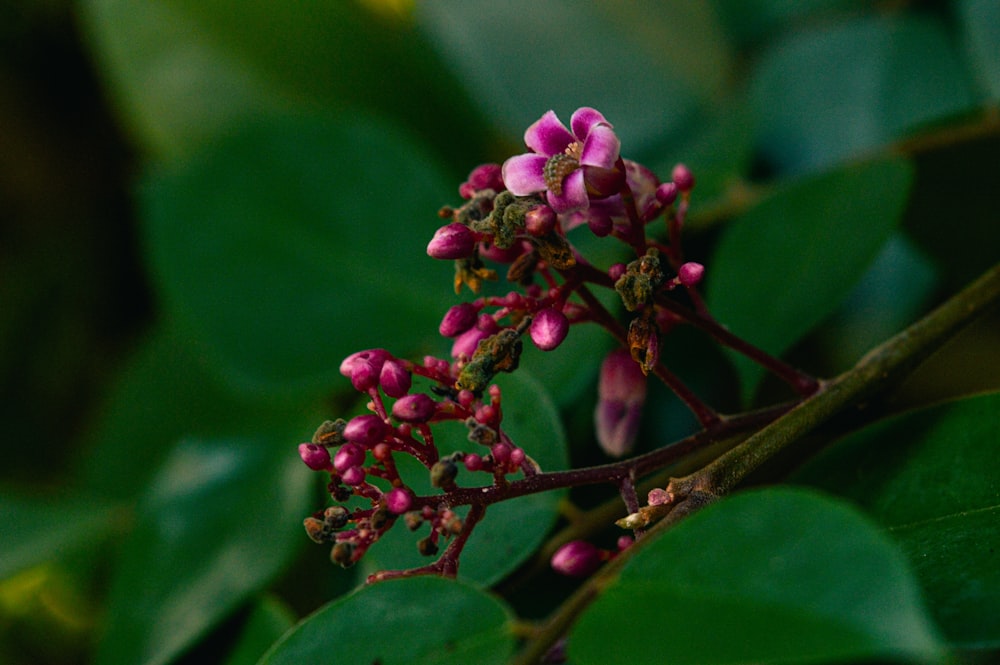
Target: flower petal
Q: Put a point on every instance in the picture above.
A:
(574, 194)
(522, 174)
(601, 147)
(547, 136)
(583, 121)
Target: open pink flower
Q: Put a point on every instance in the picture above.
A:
(569, 167)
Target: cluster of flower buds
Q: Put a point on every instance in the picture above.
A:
(360, 454)
(517, 215)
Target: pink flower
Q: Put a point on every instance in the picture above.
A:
(569, 167)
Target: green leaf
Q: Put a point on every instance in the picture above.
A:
(412, 621)
(294, 243)
(789, 262)
(36, 530)
(520, 59)
(828, 94)
(774, 576)
(269, 619)
(174, 88)
(928, 475)
(980, 23)
(511, 530)
(220, 521)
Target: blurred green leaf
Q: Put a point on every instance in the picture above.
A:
(930, 476)
(773, 576)
(789, 262)
(164, 393)
(40, 529)
(174, 88)
(828, 94)
(511, 530)
(269, 619)
(647, 66)
(184, 72)
(294, 243)
(220, 521)
(752, 20)
(980, 23)
(413, 621)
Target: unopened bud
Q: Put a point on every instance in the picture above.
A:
(452, 241)
(335, 517)
(540, 221)
(621, 395)
(365, 430)
(342, 554)
(374, 356)
(395, 379)
(316, 457)
(683, 178)
(417, 408)
(398, 500)
(690, 273)
(353, 476)
(577, 558)
(458, 319)
(548, 329)
(349, 455)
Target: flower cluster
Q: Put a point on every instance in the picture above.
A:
(518, 215)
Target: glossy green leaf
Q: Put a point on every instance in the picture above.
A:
(294, 243)
(511, 530)
(751, 20)
(831, 93)
(520, 59)
(413, 621)
(40, 529)
(789, 262)
(174, 88)
(268, 620)
(980, 22)
(220, 521)
(929, 476)
(774, 576)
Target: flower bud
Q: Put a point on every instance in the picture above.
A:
(353, 476)
(458, 319)
(484, 176)
(418, 408)
(473, 462)
(621, 395)
(577, 558)
(316, 457)
(395, 379)
(349, 455)
(666, 193)
(342, 554)
(398, 500)
(690, 273)
(365, 430)
(452, 241)
(540, 221)
(315, 529)
(375, 356)
(548, 329)
(335, 517)
(683, 178)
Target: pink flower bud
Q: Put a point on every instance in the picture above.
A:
(690, 273)
(366, 430)
(349, 455)
(548, 329)
(374, 356)
(452, 241)
(316, 457)
(473, 462)
(418, 408)
(395, 379)
(621, 395)
(500, 452)
(683, 178)
(484, 176)
(577, 558)
(666, 193)
(458, 319)
(616, 270)
(657, 497)
(364, 375)
(353, 476)
(398, 500)
(600, 223)
(540, 220)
